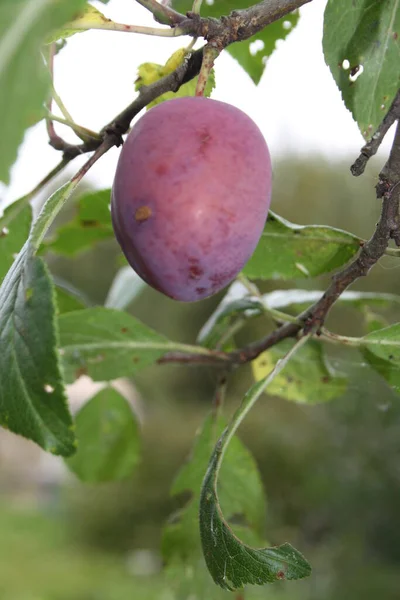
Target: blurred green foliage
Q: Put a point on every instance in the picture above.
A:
(331, 472)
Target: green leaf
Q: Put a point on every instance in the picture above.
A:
(127, 285)
(373, 320)
(232, 563)
(108, 439)
(242, 497)
(308, 378)
(32, 400)
(91, 225)
(366, 33)
(251, 58)
(150, 72)
(106, 344)
(300, 298)
(236, 306)
(24, 25)
(381, 349)
(289, 251)
(89, 17)
(67, 301)
(13, 234)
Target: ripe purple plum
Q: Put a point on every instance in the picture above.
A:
(191, 195)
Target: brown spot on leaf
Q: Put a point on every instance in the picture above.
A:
(280, 575)
(90, 223)
(136, 359)
(395, 35)
(124, 330)
(325, 379)
(143, 213)
(81, 371)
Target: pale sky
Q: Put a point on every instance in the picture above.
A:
(297, 104)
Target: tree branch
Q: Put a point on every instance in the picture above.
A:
(372, 146)
(240, 24)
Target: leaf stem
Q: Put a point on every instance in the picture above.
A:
(78, 129)
(60, 104)
(113, 26)
(57, 200)
(392, 252)
(24, 200)
(250, 399)
(197, 6)
(277, 315)
(335, 338)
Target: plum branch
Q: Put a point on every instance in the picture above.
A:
(237, 26)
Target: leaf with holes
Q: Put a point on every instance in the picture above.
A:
(308, 378)
(91, 225)
(289, 251)
(13, 233)
(24, 26)
(108, 439)
(251, 54)
(362, 49)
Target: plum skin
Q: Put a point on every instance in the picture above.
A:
(191, 195)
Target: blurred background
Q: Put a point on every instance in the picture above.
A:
(331, 472)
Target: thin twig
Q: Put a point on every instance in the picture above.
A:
(372, 146)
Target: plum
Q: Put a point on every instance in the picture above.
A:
(191, 195)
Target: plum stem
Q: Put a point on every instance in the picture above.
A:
(210, 53)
